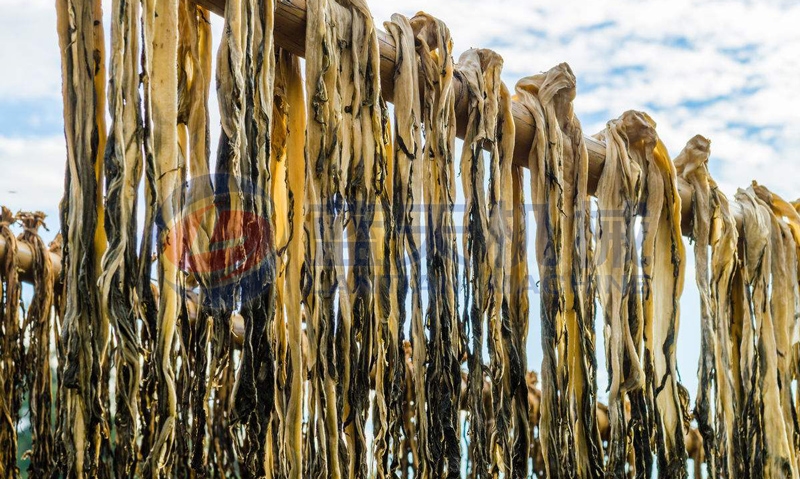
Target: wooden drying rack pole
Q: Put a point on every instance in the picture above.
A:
(290, 34)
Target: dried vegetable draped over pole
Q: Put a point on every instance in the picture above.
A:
(437, 371)
(37, 358)
(559, 171)
(300, 312)
(394, 429)
(487, 261)
(619, 297)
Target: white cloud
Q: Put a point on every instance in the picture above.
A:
(32, 176)
(30, 55)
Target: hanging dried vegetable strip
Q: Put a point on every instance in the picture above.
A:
(518, 312)
(81, 423)
(481, 125)
(723, 240)
(198, 220)
(691, 165)
(548, 99)
(439, 431)
(228, 201)
(406, 205)
(254, 396)
(290, 120)
(282, 217)
(363, 169)
(662, 271)
(772, 327)
(118, 280)
(784, 300)
(617, 203)
(11, 370)
(579, 289)
(169, 173)
(771, 453)
(323, 207)
(147, 301)
(486, 259)
(38, 321)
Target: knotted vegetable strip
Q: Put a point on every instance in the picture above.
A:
(123, 165)
(438, 432)
(290, 120)
(617, 194)
(662, 268)
(81, 423)
(406, 199)
(561, 245)
(11, 367)
(758, 223)
(691, 165)
(323, 209)
(169, 174)
(42, 459)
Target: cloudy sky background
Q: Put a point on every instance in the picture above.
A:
(729, 70)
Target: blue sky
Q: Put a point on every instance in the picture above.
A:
(728, 70)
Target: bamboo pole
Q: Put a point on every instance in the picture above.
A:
(25, 257)
(290, 33)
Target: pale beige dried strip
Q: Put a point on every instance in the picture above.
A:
(11, 363)
(439, 432)
(118, 279)
(662, 268)
(406, 197)
(783, 302)
(759, 225)
(558, 159)
(723, 240)
(37, 360)
(475, 74)
(290, 120)
(169, 174)
(84, 331)
(323, 168)
(691, 165)
(618, 191)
